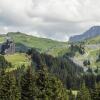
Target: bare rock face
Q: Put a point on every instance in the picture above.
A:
(8, 47)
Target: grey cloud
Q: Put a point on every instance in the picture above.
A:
(55, 19)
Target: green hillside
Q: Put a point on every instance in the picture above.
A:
(41, 44)
(90, 55)
(92, 51)
(55, 48)
(57, 51)
(24, 41)
(94, 40)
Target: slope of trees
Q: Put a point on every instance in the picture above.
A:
(52, 79)
(83, 93)
(38, 86)
(75, 48)
(48, 87)
(65, 69)
(8, 88)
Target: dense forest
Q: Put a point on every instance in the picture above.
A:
(48, 78)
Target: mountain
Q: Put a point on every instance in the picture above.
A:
(92, 32)
(23, 42)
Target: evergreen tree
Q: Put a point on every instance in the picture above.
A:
(3, 63)
(83, 94)
(95, 93)
(48, 87)
(26, 85)
(8, 87)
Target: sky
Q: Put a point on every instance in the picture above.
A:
(54, 19)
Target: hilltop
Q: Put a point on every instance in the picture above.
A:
(23, 42)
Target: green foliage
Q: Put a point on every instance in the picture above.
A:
(83, 94)
(27, 86)
(8, 88)
(63, 68)
(44, 83)
(95, 93)
(48, 87)
(94, 40)
(3, 62)
(2, 37)
(74, 48)
(24, 42)
(98, 59)
(17, 60)
(42, 86)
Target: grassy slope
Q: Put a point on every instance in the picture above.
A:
(92, 50)
(57, 51)
(30, 41)
(44, 45)
(90, 54)
(17, 60)
(94, 40)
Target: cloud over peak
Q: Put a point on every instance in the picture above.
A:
(55, 19)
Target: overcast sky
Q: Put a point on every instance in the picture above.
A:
(55, 19)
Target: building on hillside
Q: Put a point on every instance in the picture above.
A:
(8, 47)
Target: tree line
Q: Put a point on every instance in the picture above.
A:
(47, 78)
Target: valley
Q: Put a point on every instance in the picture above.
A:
(49, 49)
(70, 65)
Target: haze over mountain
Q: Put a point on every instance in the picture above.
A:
(92, 32)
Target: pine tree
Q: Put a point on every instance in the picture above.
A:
(26, 86)
(95, 93)
(48, 87)
(83, 94)
(8, 87)
(3, 62)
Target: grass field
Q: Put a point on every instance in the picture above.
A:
(17, 60)
(57, 51)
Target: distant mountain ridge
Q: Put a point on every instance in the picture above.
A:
(92, 32)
